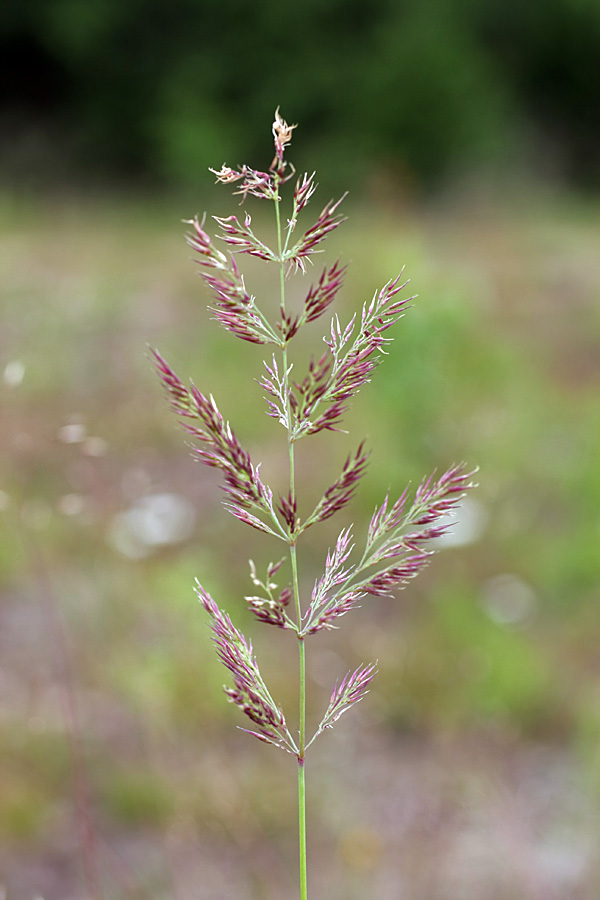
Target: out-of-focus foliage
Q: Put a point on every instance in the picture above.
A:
(424, 88)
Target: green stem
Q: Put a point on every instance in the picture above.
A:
(302, 827)
(294, 565)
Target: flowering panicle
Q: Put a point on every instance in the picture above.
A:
(249, 693)
(270, 608)
(400, 535)
(349, 692)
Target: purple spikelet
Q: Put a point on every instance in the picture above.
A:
(329, 219)
(249, 692)
(350, 691)
(234, 308)
(217, 446)
(341, 491)
(323, 293)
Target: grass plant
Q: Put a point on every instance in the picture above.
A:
(401, 535)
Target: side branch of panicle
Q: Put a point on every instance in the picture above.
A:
(329, 219)
(353, 687)
(319, 298)
(398, 546)
(217, 446)
(305, 188)
(271, 606)
(355, 361)
(322, 294)
(252, 181)
(434, 500)
(342, 490)
(249, 692)
(320, 400)
(235, 309)
(332, 597)
(241, 238)
(400, 536)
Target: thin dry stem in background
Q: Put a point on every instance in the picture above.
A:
(400, 536)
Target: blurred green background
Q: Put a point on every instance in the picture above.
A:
(468, 135)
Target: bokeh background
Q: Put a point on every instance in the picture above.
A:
(468, 134)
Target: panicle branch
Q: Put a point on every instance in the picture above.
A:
(288, 508)
(330, 597)
(342, 490)
(249, 693)
(319, 298)
(219, 448)
(304, 190)
(433, 500)
(271, 608)
(253, 182)
(200, 241)
(348, 693)
(308, 394)
(241, 237)
(400, 534)
(353, 367)
(397, 549)
(347, 366)
(275, 384)
(235, 309)
(329, 219)
(321, 295)
(263, 185)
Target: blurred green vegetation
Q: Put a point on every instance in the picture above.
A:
(497, 363)
(422, 89)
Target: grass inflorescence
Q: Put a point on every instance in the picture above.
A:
(400, 537)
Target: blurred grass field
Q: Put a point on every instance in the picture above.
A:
(479, 745)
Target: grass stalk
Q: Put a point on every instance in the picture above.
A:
(297, 603)
(399, 537)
